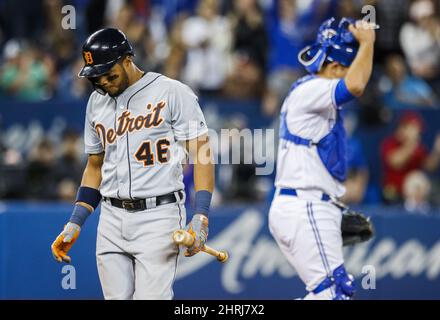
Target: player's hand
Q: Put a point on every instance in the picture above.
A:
(198, 228)
(62, 244)
(363, 31)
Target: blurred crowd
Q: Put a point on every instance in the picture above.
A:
(236, 49)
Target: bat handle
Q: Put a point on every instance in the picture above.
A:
(182, 237)
(221, 256)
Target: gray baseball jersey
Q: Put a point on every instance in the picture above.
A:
(141, 132)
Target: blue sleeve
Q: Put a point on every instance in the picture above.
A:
(342, 95)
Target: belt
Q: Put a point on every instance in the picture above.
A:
(292, 192)
(142, 204)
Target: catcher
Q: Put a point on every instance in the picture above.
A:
(305, 218)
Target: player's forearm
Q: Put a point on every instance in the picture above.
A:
(201, 153)
(92, 173)
(91, 177)
(360, 70)
(200, 150)
(204, 177)
(204, 186)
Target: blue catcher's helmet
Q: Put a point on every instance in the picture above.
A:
(334, 43)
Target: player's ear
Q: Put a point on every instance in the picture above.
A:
(338, 70)
(127, 61)
(332, 69)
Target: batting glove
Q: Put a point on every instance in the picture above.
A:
(62, 244)
(198, 228)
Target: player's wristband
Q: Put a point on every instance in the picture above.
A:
(203, 202)
(87, 195)
(79, 215)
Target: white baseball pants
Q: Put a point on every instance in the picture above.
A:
(308, 232)
(135, 253)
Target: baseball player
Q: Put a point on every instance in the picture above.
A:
(311, 164)
(139, 128)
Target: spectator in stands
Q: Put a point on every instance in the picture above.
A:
(22, 19)
(9, 156)
(404, 152)
(26, 73)
(12, 184)
(136, 28)
(69, 164)
(286, 40)
(357, 167)
(207, 38)
(402, 90)
(237, 180)
(420, 40)
(70, 86)
(249, 51)
(172, 9)
(176, 58)
(68, 167)
(291, 24)
(416, 191)
(60, 43)
(40, 173)
(98, 13)
(66, 190)
(390, 14)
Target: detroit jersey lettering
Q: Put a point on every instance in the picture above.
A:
(141, 132)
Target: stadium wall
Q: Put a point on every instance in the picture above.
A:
(402, 262)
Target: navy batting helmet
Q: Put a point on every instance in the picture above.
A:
(102, 50)
(334, 42)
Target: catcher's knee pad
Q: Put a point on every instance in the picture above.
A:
(342, 281)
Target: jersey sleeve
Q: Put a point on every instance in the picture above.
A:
(316, 95)
(92, 142)
(187, 119)
(341, 94)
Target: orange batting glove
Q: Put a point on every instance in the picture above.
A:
(62, 244)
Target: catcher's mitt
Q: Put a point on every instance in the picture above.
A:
(355, 227)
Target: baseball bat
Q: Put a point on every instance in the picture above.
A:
(182, 237)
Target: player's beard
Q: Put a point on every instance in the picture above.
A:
(122, 86)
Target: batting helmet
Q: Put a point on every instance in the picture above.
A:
(334, 43)
(102, 50)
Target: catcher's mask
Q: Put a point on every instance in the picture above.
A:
(334, 43)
